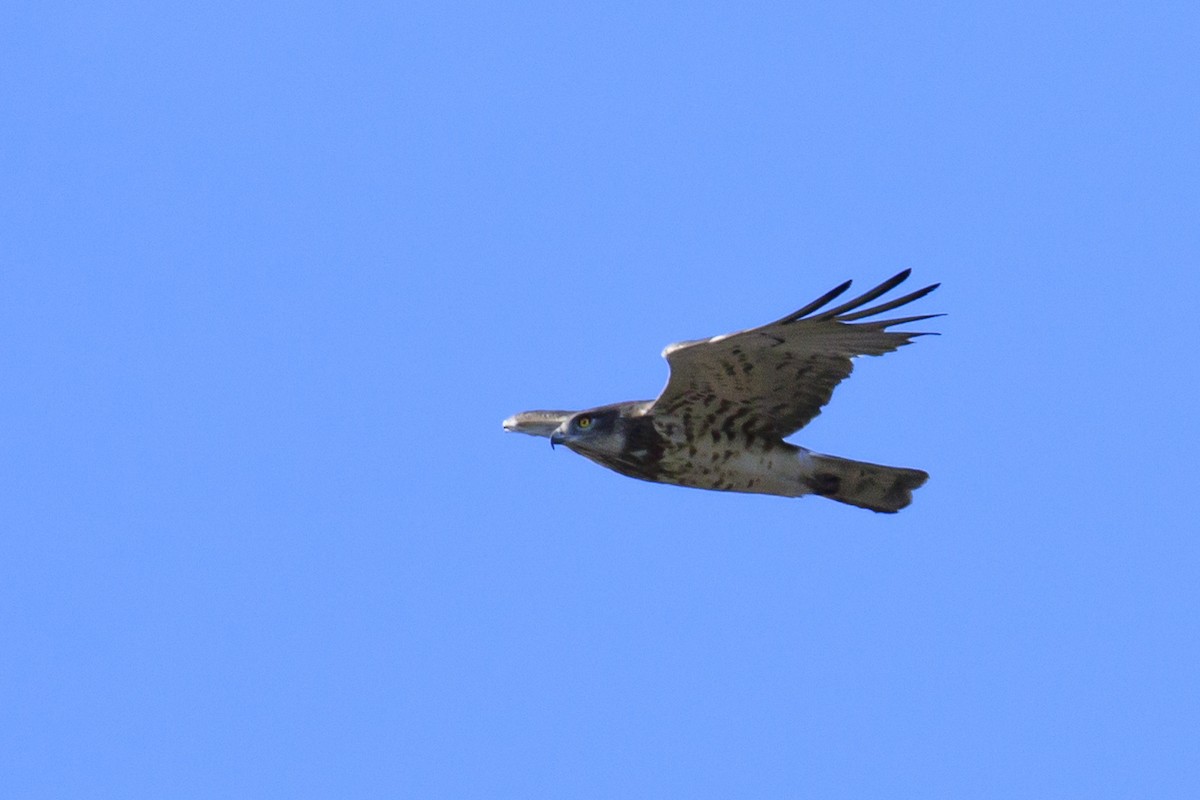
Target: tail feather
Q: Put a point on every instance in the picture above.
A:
(857, 483)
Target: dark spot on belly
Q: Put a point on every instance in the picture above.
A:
(727, 428)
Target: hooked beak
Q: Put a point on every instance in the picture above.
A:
(556, 438)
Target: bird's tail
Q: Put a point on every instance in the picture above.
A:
(879, 488)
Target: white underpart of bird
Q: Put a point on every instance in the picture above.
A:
(721, 420)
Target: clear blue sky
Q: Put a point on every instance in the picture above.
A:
(274, 274)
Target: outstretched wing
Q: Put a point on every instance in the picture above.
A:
(772, 380)
(537, 423)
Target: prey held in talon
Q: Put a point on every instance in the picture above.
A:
(730, 400)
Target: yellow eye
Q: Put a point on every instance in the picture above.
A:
(584, 423)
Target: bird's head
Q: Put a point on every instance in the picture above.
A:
(597, 430)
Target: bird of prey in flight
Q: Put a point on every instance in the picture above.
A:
(730, 400)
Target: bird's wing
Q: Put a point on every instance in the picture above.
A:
(772, 380)
(537, 423)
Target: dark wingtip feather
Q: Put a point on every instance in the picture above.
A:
(839, 312)
(866, 297)
(815, 304)
(888, 306)
(887, 323)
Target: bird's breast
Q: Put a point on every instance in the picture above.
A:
(704, 458)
